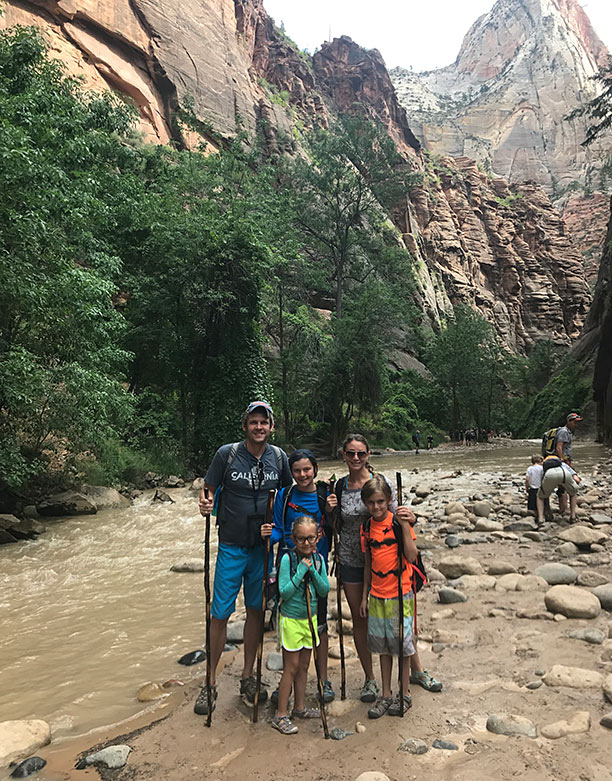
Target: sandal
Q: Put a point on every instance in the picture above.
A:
(369, 692)
(283, 725)
(394, 708)
(427, 681)
(380, 707)
(201, 704)
(306, 713)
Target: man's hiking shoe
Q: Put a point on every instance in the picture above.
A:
(380, 707)
(369, 692)
(284, 725)
(274, 697)
(425, 680)
(201, 704)
(329, 695)
(394, 708)
(307, 713)
(248, 687)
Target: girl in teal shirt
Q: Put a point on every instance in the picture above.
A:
(301, 572)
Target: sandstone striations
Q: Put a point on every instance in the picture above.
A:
(475, 239)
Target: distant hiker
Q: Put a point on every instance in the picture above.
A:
(429, 441)
(562, 448)
(302, 575)
(240, 476)
(416, 439)
(304, 498)
(533, 480)
(380, 602)
(557, 474)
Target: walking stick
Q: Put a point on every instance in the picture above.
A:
(269, 513)
(338, 597)
(313, 635)
(204, 493)
(400, 605)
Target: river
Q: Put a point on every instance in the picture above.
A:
(90, 610)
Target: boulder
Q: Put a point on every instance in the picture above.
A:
(583, 536)
(112, 757)
(590, 579)
(422, 491)
(372, 775)
(600, 518)
(483, 582)
(511, 724)
(235, 631)
(66, 503)
(481, 509)
(555, 574)
(434, 575)
(591, 636)
(607, 688)
(579, 722)
(197, 484)
(28, 767)
(449, 596)
(413, 746)
(487, 525)
(573, 677)
(189, 565)
(604, 595)
(531, 583)
(150, 692)
(18, 739)
(455, 507)
(567, 549)
(104, 498)
(455, 565)
(499, 567)
(572, 602)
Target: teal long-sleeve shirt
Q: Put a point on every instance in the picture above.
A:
(293, 589)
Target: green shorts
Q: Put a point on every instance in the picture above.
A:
(295, 633)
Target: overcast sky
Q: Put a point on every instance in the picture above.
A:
(425, 35)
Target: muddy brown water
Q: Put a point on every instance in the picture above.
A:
(90, 610)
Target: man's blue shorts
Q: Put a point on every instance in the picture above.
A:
(236, 565)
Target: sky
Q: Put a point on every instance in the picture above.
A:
(424, 35)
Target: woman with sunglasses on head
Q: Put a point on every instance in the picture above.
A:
(352, 512)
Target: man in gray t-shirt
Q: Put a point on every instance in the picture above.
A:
(563, 449)
(244, 473)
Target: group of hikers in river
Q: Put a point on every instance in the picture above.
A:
(263, 498)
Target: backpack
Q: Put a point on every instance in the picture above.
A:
(418, 568)
(549, 441)
(231, 457)
(293, 565)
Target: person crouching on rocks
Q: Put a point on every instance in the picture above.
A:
(302, 575)
(533, 480)
(380, 600)
(557, 473)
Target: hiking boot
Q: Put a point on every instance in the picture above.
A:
(394, 708)
(201, 704)
(380, 707)
(307, 713)
(329, 695)
(284, 725)
(274, 697)
(248, 687)
(369, 692)
(425, 680)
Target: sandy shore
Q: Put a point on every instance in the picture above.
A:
(485, 650)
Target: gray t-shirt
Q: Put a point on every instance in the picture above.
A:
(354, 513)
(245, 491)
(564, 435)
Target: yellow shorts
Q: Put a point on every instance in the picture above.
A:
(295, 633)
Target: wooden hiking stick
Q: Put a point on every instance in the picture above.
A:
(269, 513)
(204, 494)
(338, 596)
(313, 635)
(400, 605)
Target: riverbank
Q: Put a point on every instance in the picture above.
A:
(486, 650)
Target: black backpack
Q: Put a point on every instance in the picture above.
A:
(418, 568)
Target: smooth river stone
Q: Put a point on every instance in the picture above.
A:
(555, 574)
(582, 536)
(20, 738)
(572, 602)
(573, 677)
(604, 595)
(590, 579)
(511, 724)
(449, 596)
(455, 565)
(579, 722)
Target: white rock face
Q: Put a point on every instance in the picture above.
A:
(521, 69)
(19, 739)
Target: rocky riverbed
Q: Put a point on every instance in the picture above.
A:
(516, 622)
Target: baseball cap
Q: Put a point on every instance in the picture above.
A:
(262, 405)
(573, 416)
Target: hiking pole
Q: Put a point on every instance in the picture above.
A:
(338, 597)
(269, 514)
(313, 635)
(204, 494)
(400, 604)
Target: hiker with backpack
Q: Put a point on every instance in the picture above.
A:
(558, 474)
(387, 601)
(352, 512)
(292, 502)
(302, 582)
(558, 442)
(238, 481)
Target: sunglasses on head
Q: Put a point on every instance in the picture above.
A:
(356, 453)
